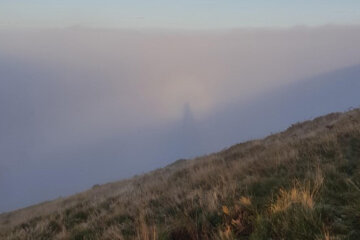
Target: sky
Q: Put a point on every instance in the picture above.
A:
(169, 14)
(97, 91)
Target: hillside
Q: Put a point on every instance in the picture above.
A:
(48, 151)
(303, 183)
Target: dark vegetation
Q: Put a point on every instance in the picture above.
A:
(303, 183)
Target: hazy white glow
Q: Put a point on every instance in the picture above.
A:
(122, 79)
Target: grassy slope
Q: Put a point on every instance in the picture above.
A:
(303, 183)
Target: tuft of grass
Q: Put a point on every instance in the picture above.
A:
(298, 194)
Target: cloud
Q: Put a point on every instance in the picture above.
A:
(71, 86)
(64, 92)
(161, 71)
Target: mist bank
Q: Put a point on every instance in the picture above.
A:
(87, 106)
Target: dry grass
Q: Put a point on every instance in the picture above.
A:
(303, 194)
(245, 201)
(290, 185)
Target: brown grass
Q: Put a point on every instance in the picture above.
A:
(250, 190)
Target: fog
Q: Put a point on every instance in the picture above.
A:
(80, 106)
